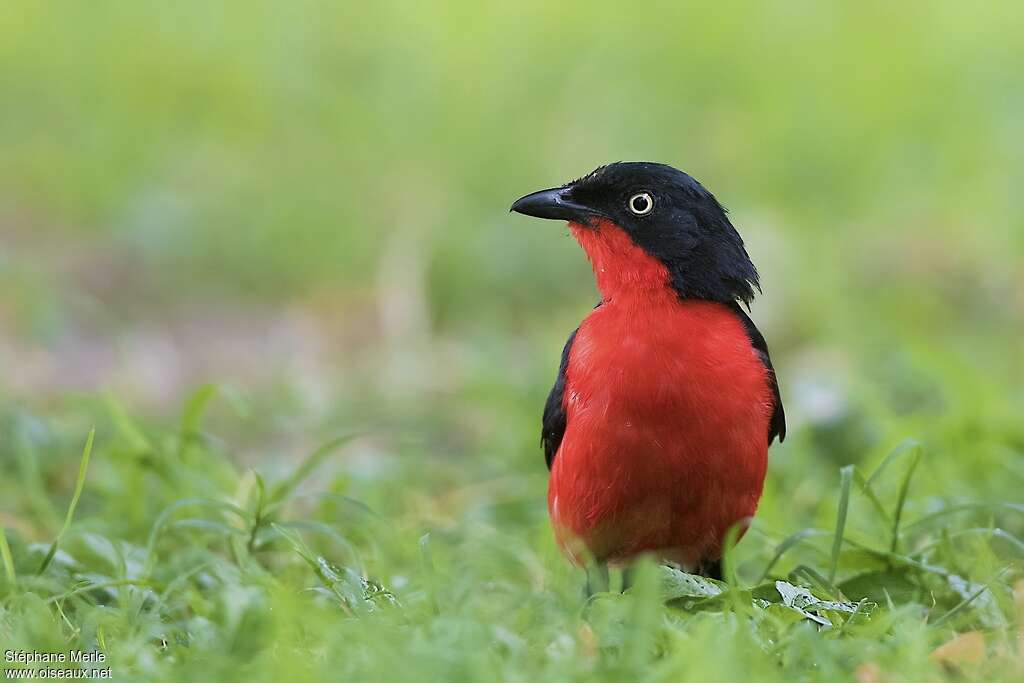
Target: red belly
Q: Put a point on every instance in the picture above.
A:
(666, 442)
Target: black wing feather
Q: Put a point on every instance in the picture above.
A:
(554, 419)
(777, 425)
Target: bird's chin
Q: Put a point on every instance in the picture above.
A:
(590, 224)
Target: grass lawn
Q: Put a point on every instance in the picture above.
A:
(178, 563)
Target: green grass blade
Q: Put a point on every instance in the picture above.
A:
(902, 499)
(812, 577)
(314, 460)
(5, 555)
(195, 408)
(869, 491)
(787, 543)
(902, 449)
(97, 587)
(728, 555)
(162, 522)
(351, 554)
(967, 601)
(258, 514)
(83, 468)
(1011, 540)
(294, 539)
(928, 520)
(846, 475)
(126, 427)
(899, 560)
(429, 571)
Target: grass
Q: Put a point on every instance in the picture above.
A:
(179, 563)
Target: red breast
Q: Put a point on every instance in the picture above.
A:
(667, 405)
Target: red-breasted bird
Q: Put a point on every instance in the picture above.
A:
(657, 429)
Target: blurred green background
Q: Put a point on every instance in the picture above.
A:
(307, 203)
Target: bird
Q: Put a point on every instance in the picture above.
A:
(656, 431)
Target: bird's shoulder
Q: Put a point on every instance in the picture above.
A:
(777, 423)
(554, 420)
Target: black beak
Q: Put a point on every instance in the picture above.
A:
(556, 204)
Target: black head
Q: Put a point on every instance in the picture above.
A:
(666, 213)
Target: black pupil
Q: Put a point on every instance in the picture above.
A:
(641, 203)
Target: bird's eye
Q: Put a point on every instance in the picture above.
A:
(641, 204)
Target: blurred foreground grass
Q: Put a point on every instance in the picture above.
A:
(180, 565)
(306, 203)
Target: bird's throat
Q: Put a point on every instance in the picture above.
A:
(624, 271)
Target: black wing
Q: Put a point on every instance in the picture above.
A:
(777, 425)
(554, 420)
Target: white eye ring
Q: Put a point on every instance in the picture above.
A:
(641, 204)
